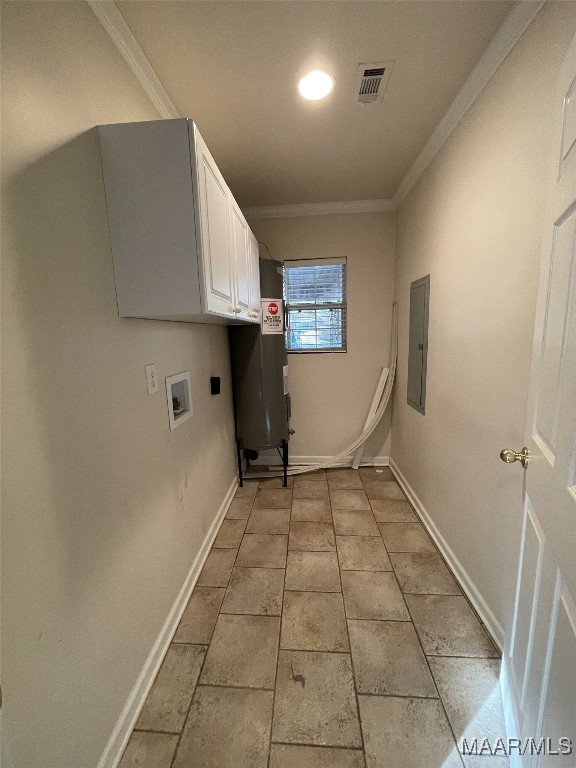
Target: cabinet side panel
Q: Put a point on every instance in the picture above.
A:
(149, 194)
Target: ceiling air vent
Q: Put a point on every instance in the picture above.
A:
(371, 82)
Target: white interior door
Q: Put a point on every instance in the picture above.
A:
(540, 652)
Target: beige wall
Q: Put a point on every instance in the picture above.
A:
(332, 392)
(103, 507)
(474, 222)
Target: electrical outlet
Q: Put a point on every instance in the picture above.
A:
(151, 379)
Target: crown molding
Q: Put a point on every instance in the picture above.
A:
(318, 209)
(511, 30)
(503, 42)
(121, 35)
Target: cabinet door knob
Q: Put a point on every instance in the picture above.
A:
(236, 310)
(254, 314)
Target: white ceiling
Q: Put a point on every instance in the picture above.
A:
(233, 67)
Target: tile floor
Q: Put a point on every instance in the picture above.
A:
(325, 631)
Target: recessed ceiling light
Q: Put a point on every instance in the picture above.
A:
(316, 85)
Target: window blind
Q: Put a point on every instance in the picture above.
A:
(315, 298)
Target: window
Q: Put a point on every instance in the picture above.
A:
(315, 299)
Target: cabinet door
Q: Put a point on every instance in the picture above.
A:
(214, 235)
(254, 259)
(241, 261)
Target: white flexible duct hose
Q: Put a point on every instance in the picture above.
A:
(369, 427)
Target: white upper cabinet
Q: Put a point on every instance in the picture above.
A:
(180, 244)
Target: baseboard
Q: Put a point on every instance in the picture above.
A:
(367, 461)
(119, 738)
(472, 592)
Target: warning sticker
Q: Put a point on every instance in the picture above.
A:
(272, 316)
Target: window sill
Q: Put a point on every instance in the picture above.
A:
(316, 351)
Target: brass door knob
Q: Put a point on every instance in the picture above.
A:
(509, 456)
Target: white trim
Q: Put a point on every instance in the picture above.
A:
(177, 378)
(318, 209)
(121, 733)
(471, 590)
(326, 261)
(367, 461)
(502, 43)
(113, 22)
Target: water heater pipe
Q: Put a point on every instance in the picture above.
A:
(368, 429)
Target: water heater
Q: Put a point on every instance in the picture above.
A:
(259, 375)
